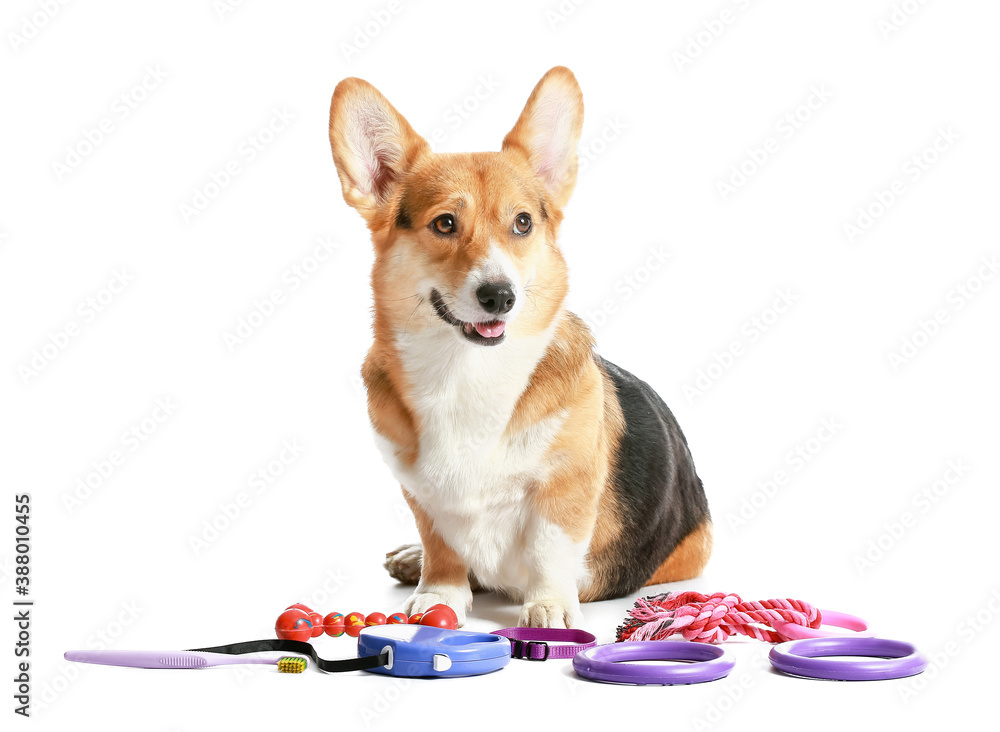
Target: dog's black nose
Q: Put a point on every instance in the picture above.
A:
(496, 298)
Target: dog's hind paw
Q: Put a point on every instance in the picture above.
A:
(403, 563)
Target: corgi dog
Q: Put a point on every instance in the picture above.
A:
(532, 465)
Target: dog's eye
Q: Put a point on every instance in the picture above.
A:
(444, 224)
(522, 224)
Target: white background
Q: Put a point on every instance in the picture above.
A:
(851, 528)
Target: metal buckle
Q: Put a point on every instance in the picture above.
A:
(522, 649)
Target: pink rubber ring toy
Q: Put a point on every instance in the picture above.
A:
(852, 623)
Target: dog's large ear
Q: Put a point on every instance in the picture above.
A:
(373, 145)
(548, 131)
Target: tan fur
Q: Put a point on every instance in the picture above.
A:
(688, 559)
(608, 526)
(440, 564)
(388, 412)
(569, 380)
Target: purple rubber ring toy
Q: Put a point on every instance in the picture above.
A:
(891, 659)
(609, 663)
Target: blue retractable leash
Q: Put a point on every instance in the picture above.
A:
(420, 650)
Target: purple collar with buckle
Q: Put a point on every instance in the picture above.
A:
(532, 644)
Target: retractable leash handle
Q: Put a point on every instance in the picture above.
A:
(424, 651)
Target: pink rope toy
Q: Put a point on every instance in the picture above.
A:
(713, 618)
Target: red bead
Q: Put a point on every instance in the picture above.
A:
(294, 624)
(440, 616)
(415, 619)
(317, 622)
(397, 619)
(353, 624)
(445, 608)
(375, 619)
(333, 624)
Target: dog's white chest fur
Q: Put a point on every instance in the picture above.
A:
(470, 478)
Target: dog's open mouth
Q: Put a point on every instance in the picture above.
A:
(487, 333)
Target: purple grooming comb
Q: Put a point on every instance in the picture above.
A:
(162, 659)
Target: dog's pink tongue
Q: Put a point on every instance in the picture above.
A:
(493, 329)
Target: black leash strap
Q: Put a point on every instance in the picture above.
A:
(291, 646)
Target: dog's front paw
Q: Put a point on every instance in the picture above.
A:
(458, 599)
(547, 614)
